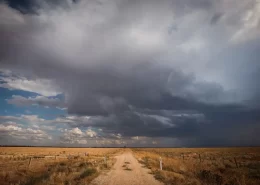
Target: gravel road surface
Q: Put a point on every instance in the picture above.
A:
(126, 171)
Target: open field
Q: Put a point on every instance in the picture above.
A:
(53, 151)
(43, 166)
(203, 166)
(180, 166)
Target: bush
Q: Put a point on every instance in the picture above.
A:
(82, 164)
(158, 176)
(87, 172)
(62, 164)
(210, 178)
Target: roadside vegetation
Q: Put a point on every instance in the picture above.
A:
(66, 167)
(198, 166)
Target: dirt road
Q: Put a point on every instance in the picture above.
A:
(126, 171)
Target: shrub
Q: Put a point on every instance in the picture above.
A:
(87, 172)
(62, 164)
(82, 164)
(210, 178)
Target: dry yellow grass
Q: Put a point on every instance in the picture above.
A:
(203, 166)
(53, 151)
(43, 166)
(181, 166)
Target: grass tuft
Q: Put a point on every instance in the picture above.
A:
(87, 172)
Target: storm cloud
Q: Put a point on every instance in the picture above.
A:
(174, 69)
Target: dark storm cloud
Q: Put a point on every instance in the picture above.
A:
(116, 62)
(24, 6)
(145, 86)
(215, 18)
(32, 6)
(130, 124)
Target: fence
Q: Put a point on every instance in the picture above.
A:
(200, 159)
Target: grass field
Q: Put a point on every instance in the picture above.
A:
(203, 166)
(61, 166)
(180, 166)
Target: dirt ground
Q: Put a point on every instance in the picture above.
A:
(126, 171)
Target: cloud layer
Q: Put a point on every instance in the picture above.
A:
(179, 70)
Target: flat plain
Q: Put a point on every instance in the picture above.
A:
(129, 166)
(203, 166)
(43, 166)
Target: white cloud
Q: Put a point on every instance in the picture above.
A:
(41, 86)
(118, 136)
(82, 141)
(143, 140)
(32, 121)
(104, 142)
(165, 121)
(119, 142)
(76, 136)
(26, 118)
(38, 100)
(75, 131)
(135, 138)
(44, 127)
(32, 118)
(27, 134)
(91, 133)
(10, 118)
(139, 138)
(9, 128)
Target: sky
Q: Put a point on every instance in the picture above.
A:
(168, 73)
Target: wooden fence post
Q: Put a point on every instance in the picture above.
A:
(29, 162)
(105, 161)
(160, 159)
(236, 162)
